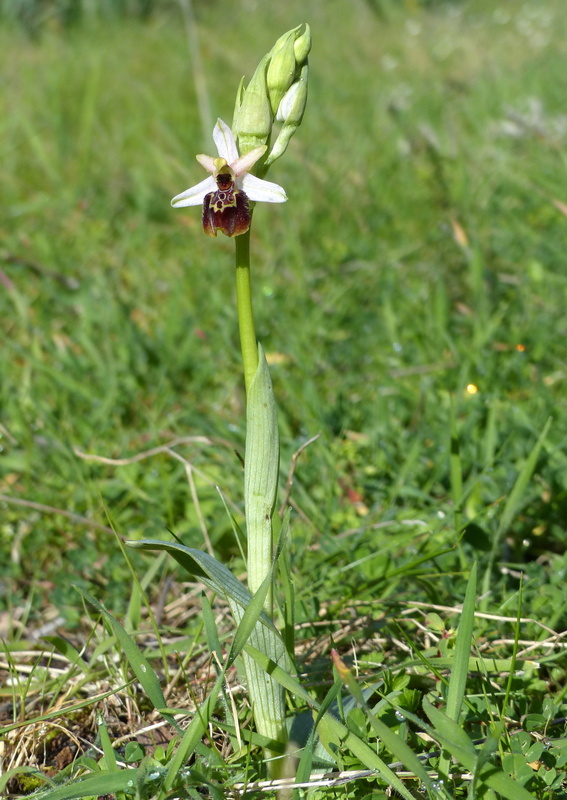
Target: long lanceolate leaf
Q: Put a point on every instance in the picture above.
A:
(459, 670)
(220, 579)
(266, 694)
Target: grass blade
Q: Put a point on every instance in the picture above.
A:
(454, 739)
(102, 783)
(140, 665)
(393, 742)
(460, 662)
(192, 736)
(514, 502)
(335, 733)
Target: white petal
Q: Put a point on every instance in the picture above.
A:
(245, 163)
(195, 195)
(262, 191)
(224, 140)
(206, 161)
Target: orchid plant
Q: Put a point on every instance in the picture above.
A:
(277, 92)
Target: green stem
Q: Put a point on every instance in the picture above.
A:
(261, 465)
(248, 342)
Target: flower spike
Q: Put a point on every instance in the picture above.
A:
(277, 91)
(226, 193)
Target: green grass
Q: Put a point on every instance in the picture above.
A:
(421, 252)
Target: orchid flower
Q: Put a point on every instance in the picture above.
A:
(225, 194)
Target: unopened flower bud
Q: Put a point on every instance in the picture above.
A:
(302, 44)
(281, 69)
(254, 118)
(290, 113)
(292, 106)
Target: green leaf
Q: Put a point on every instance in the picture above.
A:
(288, 585)
(249, 620)
(338, 736)
(221, 580)
(134, 751)
(205, 568)
(447, 729)
(323, 747)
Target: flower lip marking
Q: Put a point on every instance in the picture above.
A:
(225, 194)
(227, 209)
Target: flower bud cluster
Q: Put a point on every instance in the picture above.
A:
(276, 92)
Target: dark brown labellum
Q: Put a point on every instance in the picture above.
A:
(226, 210)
